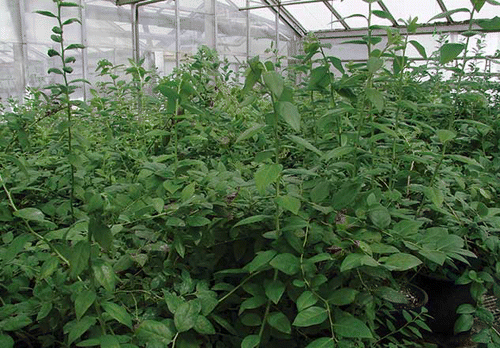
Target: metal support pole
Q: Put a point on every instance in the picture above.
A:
(85, 68)
(277, 29)
(177, 34)
(216, 30)
(24, 47)
(248, 29)
(136, 54)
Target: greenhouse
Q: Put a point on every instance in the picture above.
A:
(249, 173)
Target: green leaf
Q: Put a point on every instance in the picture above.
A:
(204, 326)
(104, 274)
(75, 46)
(435, 256)
(320, 192)
(280, 322)
(274, 290)
(262, 259)
(83, 302)
(56, 38)
(383, 14)
(302, 142)
(250, 132)
(466, 308)
(197, 221)
(49, 266)
(71, 20)
(420, 49)
(175, 222)
(310, 316)
(188, 192)
(252, 220)
(338, 152)
(30, 214)
(306, 300)
(118, 313)
(250, 341)
(374, 64)
(44, 310)
(109, 341)
(464, 323)
(407, 228)
(79, 258)
(101, 232)
(491, 24)
(6, 341)
(323, 342)
(46, 13)
(348, 326)
(179, 245)
(346, 195)
(434, 195)
(15, 323)
(186, 315)
(55, 71)
(274, 82)
(290, 114)
(53, 53)
(355, 260)
(79, 328)
(380, 216)
(266, 175)
(68, 4)
(288, 203)
(449, 52)
(401, 262)
(57, 30)
(152, 331)
(391, 295)
(376, 98)
(342, 297)
(445, 135)
(286, 263)
(449, 13)
(16, 246)
(252, 303)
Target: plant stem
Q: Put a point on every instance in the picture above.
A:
(68, 110)
(37, 235)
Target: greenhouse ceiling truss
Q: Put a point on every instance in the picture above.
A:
(280, 10)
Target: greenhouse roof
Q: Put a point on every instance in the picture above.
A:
(334, 17)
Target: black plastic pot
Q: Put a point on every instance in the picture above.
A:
(444, 299)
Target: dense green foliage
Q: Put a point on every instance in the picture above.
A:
(192, 211)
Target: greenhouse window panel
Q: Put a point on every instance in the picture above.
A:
(405, 9)
(487, 11)
(355, 13)
(314, 16)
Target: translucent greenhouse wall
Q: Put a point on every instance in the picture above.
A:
(169, 32)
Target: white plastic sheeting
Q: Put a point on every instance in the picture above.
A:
(170, 31)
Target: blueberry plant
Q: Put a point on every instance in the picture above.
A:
(294, 209)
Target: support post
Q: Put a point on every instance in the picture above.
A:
(23, 50)
(248, 29)
(136, 54)
(177, 35)
(85, 61)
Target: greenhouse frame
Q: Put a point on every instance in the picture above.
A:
(167, 31)
(250, 173)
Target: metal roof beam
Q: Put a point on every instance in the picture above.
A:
(138, 2)
(444, 9)
(385, 9)
(337, 15)
(423, 30)
(284, 14)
